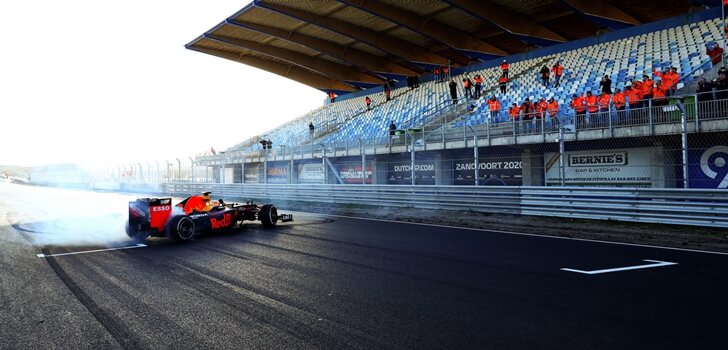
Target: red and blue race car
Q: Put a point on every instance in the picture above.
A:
(197, 214)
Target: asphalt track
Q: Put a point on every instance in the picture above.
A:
(338, 283)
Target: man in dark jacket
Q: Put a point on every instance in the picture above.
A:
(705, 90)
(453, 91)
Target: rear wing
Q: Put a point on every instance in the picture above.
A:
(149, 213)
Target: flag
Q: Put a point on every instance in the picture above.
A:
(212, 150)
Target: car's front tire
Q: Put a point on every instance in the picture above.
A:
(181, 228)
(268, 215)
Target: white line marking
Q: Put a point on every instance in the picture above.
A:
(527, 234)
(657, 263)
(139, 245)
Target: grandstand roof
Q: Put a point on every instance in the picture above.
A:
(345, 45)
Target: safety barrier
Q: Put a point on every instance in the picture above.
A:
(669, 206)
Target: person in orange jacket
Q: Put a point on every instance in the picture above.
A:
(579, 105)
(592, 106)
(558, 70)
(619, 102)
(368, 101)
(646, 90)
(467, 86)
(604, 103)
(541, 110)
(478, 80)
(633, 100)
(494, 106)
(553, 110)
(332, 96)
(514, 113)
(504, 68)
(502, 82)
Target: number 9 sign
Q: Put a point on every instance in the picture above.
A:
(713, 164)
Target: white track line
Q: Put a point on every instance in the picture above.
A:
(140, 245)
(528, 234)
(657, 263)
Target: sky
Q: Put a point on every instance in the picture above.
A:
(109, 82)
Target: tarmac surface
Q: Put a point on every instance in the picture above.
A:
(332, 282)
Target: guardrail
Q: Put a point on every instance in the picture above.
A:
(668, 206)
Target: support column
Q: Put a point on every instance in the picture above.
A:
(532, 167)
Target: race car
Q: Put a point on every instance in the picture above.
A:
(196, 214)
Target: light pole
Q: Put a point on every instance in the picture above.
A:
(192, 167)
(169, 172)
(179, 170)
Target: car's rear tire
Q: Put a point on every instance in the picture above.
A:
(181, 228)
(268, 215)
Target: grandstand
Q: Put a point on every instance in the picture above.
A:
(639, 47)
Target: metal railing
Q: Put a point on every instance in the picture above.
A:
(668, 206)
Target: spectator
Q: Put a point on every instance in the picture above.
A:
(646, 90)
(332, 96)
(558, 70)
(545, 72)
(392, 128)
(579, 105)
(310, 128)
(514, 112)
(368, 101)
(714, 51)
(436, 72)
(494, 107)
(541, 109)
(553, 110)
(467, 86)
(391, 83)
(659, 95)
(721, 87)
(387, 92)
(705, 90)
(527, 116)
(416, 80)
(674, 79)
(606, 85)
(619, 103)
(478, 85)
(502, 81)
(504, 68)
(454, 92)
(633, 100)
(592, 107)
(669, 78)
(445, 72)
(410, 82)
(604, 102)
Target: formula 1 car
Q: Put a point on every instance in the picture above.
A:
(196, 214)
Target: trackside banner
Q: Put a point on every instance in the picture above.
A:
(502, 171)
(607, 168)
(277, 174)
(352, 174)
(708, 168)
(312, 173)
(400, 173)
(251, 173)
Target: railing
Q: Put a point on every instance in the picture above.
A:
(668, 206)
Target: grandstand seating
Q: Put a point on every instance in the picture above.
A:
(623, 59)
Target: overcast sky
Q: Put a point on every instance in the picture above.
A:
(110, 82)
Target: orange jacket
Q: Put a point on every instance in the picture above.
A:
(504, 66)
(541, 107)
(557, 69)
(591, 104)
(367, 100)
(502, 80)
(478, 80)
(466, 83)
(494, 105)
(577, 103)
(513, 112)
(660, 93)
(618, 100)
(647, 87)
(553, 109)
(634, 96)
(604, 101)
